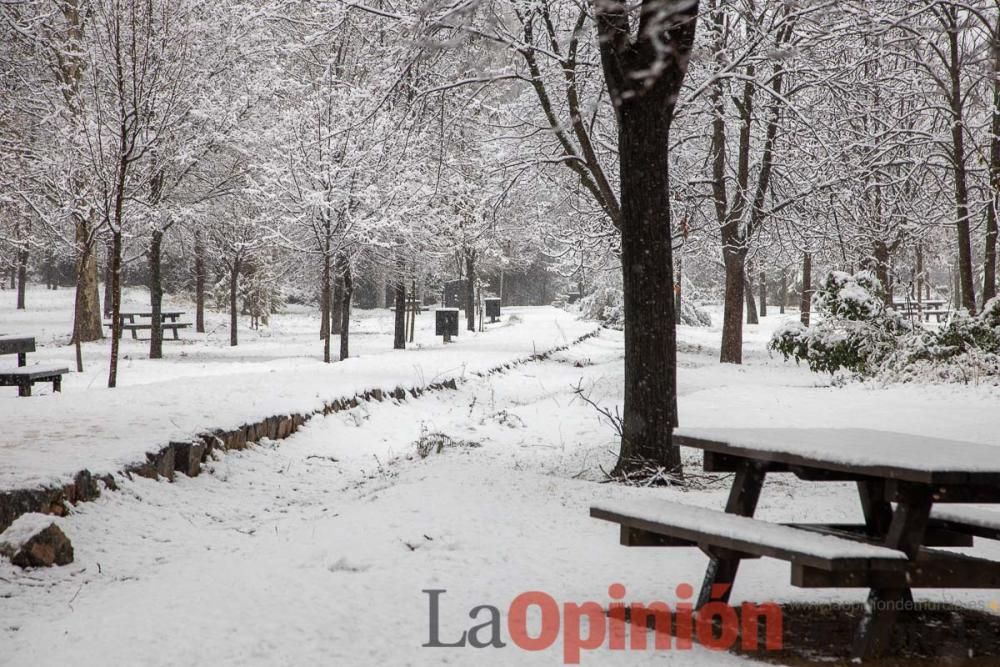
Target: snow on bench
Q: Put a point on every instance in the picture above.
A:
(699, 526)
(968, 519)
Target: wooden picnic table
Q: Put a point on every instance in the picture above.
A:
(900, 478)
(168, 319)
(165, 315)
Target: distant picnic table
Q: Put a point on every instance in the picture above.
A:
(900, 478)
(168, 321)
(925, 308)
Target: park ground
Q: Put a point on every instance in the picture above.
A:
(318, 549)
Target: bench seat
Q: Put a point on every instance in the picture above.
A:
(23, 377)
(966, 519)
(708, 529)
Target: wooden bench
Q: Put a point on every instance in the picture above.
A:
(24, 376)
(174, 326)
(968, 520)
(665, 523)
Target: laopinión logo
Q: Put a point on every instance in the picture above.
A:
(615, 624)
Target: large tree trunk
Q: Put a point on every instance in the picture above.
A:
(784, 291)
(992, 212)
(751, 305)
(345, 313)
(22, 276)
(107, 280)
(116, 306)
(920, 275)
(958, 159)
(234, 315)
(763, 293)
(679, 290)
(325, 298)
(470, 290)
(644, 106)
(199, 282)
(87, 308)
(805, 304)
(156, 295)
(732, 312)
(399, 333)
(880, 256)
(336, 321)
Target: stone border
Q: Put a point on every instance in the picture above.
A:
(187, 457)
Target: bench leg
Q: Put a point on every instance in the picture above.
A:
(743, 497)
(24, 389)
(906, 533)
(57, 385)
(176, 337)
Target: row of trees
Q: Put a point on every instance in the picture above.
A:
(283, 141)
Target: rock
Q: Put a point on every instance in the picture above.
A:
(34, 541)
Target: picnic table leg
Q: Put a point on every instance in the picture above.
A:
(877, 510)
(22, 359)
(906, 533)
(176, 337)
(24, 389)
(743, 497)
(57, 384)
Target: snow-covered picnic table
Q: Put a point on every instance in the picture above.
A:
(899, 478)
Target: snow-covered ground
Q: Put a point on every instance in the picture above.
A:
(318, 549)
(203, 384)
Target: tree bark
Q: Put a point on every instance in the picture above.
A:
(199, 281)
(784, 291)
(399, 337)
(732, 313)
(880, 256)
(336, 321)
(993, 209)
(470, 290)
(87, 307)
(116, 306)
(751, 305)
(763, 293)
(920, 275)
(156, 295)
(958, 156)
(805, 304)
(325, 299)
(679, 290)
(644, 105)
(22, 276)
(234, 284)
(345, 313)
(107, 279)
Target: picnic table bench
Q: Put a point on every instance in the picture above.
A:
(168, 321)
(899, 479)
(24, 376)
(925, 309)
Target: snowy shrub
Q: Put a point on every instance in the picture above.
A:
(607, 305)
(435, 443)
(854, 331)
(967, 350)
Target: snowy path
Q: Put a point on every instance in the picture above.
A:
(317, 550)
(48, 438)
